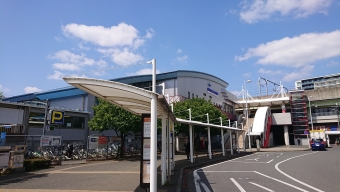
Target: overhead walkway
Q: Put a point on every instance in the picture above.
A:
(262, 125)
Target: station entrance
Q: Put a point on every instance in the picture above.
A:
(278, 135)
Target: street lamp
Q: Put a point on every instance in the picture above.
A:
(310, 111)
(246, 92)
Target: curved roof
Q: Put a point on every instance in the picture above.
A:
(131, 98)
(170, 75)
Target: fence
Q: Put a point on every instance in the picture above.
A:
(59, 151)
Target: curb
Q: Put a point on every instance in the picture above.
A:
(179, 183)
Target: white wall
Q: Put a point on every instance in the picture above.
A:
(11, 116)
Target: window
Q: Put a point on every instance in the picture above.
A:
(74, 122)
(209, 97)
(204, 94)
(196, 96)
(188, 95)
(36, 119)
(193, 96)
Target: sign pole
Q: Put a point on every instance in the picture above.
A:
(153, 153)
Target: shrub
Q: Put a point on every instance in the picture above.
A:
(36, 164)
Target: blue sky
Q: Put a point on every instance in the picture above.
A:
(42, 41)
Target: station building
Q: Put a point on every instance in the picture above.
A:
(277, 119)
(176, 86)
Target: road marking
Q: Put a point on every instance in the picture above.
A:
(237, 185)
(48, 172)
(265, 188)
(270, 161)
(231, 160)
(281, 153)
(198, 182)
(292, 178)
(298, 188)
(197, 185)
(256, 159)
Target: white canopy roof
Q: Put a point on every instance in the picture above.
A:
(131, 98)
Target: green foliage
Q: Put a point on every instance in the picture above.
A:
(110, 117)
(36, 164)
(1, 95)
(199, 108)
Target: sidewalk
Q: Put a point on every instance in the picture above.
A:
(178, 179)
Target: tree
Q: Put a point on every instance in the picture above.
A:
(110, 117)
(1, 95)
(199, 108)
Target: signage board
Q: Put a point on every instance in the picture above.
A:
(50, 141)
(57, 117)
(146, 149)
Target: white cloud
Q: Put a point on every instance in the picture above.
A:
(145, 71)
(246, 74)
(304, 72)
(66, 66)
(149, 33)
(77, 75)
(57, 75)
(182, 59)
(179, 50)
(120, 35)
(270, 72)
(333, 63)
(68, 57)
(256, 10)
(3, 89)
(296, 51)
(29, 89)
(82, 47)
(123, 57)
(73, 62)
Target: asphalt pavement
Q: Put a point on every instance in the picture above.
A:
(110, 175)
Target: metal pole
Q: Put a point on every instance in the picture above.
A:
(45, 120)
(231, 143)
(209, 140)
(245, 87)
(190, 141)
(222, 138)
(244, 141)
(153, 150)
(237, 145)
(168, 149)
(163, 155)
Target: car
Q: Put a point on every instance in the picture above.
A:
(318, 144)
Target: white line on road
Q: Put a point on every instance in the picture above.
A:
(270, 161)
(198, 182)
(237, 185)
(265, 188)
(298, 188)
(227, 161)
(292, 178)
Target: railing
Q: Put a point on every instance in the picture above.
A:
(329, 113)
(175, 99)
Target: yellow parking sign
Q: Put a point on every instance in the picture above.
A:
(57, 117)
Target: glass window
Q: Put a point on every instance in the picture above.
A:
(188, 95)
(36, 119)
(74, 122)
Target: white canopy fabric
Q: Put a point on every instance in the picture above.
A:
(131, 98)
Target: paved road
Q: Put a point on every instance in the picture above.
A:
(272, 171)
